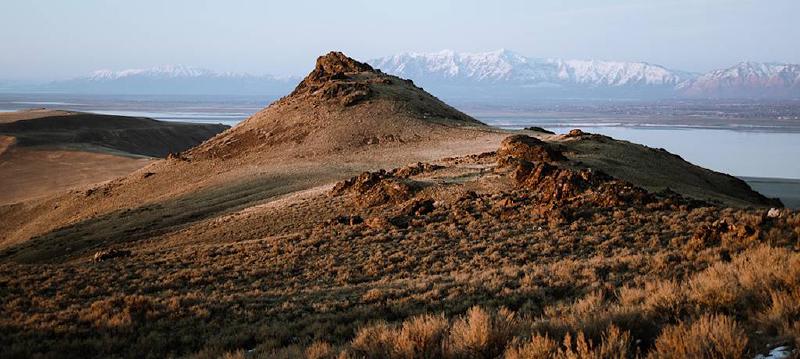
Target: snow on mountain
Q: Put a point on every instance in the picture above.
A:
(507, 67)
(614, 73)
(486, 76)
(174, 79)
(448, 65)
(746, 79)
(167, 71)
(505, 74)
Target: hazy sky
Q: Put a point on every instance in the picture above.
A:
(48, 39)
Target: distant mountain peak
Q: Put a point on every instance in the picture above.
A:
(173, 79)
(504, 65)
(746, 79)
(169, 71)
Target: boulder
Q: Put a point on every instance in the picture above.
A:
(528, 148)
(415, 169)
(110, 254)
(376, 188)
(773, 213)
(539, 129)
(347, 220)
(419, 207)
(575, 133)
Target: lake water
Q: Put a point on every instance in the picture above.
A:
(228, 110)
(740, 152)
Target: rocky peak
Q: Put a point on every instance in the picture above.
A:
(332, 78)
(335, 63)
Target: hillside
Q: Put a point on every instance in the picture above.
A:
(44, 152)
(430, 250)
(360, 216)
(131, 135)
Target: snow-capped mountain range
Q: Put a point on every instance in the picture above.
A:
(746, 79)
(492, 76)
(507, 74)
(175, 79)
(168, 71)
(504, 66)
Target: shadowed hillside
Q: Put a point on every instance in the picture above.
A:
(131, 135)
(43, 152)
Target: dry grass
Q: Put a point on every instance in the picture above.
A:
(497, 272)
(711, 336)
(592, 327)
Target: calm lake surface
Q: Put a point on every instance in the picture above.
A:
(738, 151)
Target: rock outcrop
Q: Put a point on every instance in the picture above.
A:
(528, 148)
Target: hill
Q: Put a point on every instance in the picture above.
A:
(343, 118)
(44, 152)
(131, 135)
(360, 216)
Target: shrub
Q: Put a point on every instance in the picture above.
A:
(481, 333)
(374, 341)
(422, 337)
(320, 350)
(538, 347)
(711, 336)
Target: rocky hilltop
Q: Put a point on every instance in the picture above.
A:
(343, 105)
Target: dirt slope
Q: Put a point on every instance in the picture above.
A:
(28, 174)
(6, 143)
(44, 152)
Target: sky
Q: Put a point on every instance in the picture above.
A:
(56, 39)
